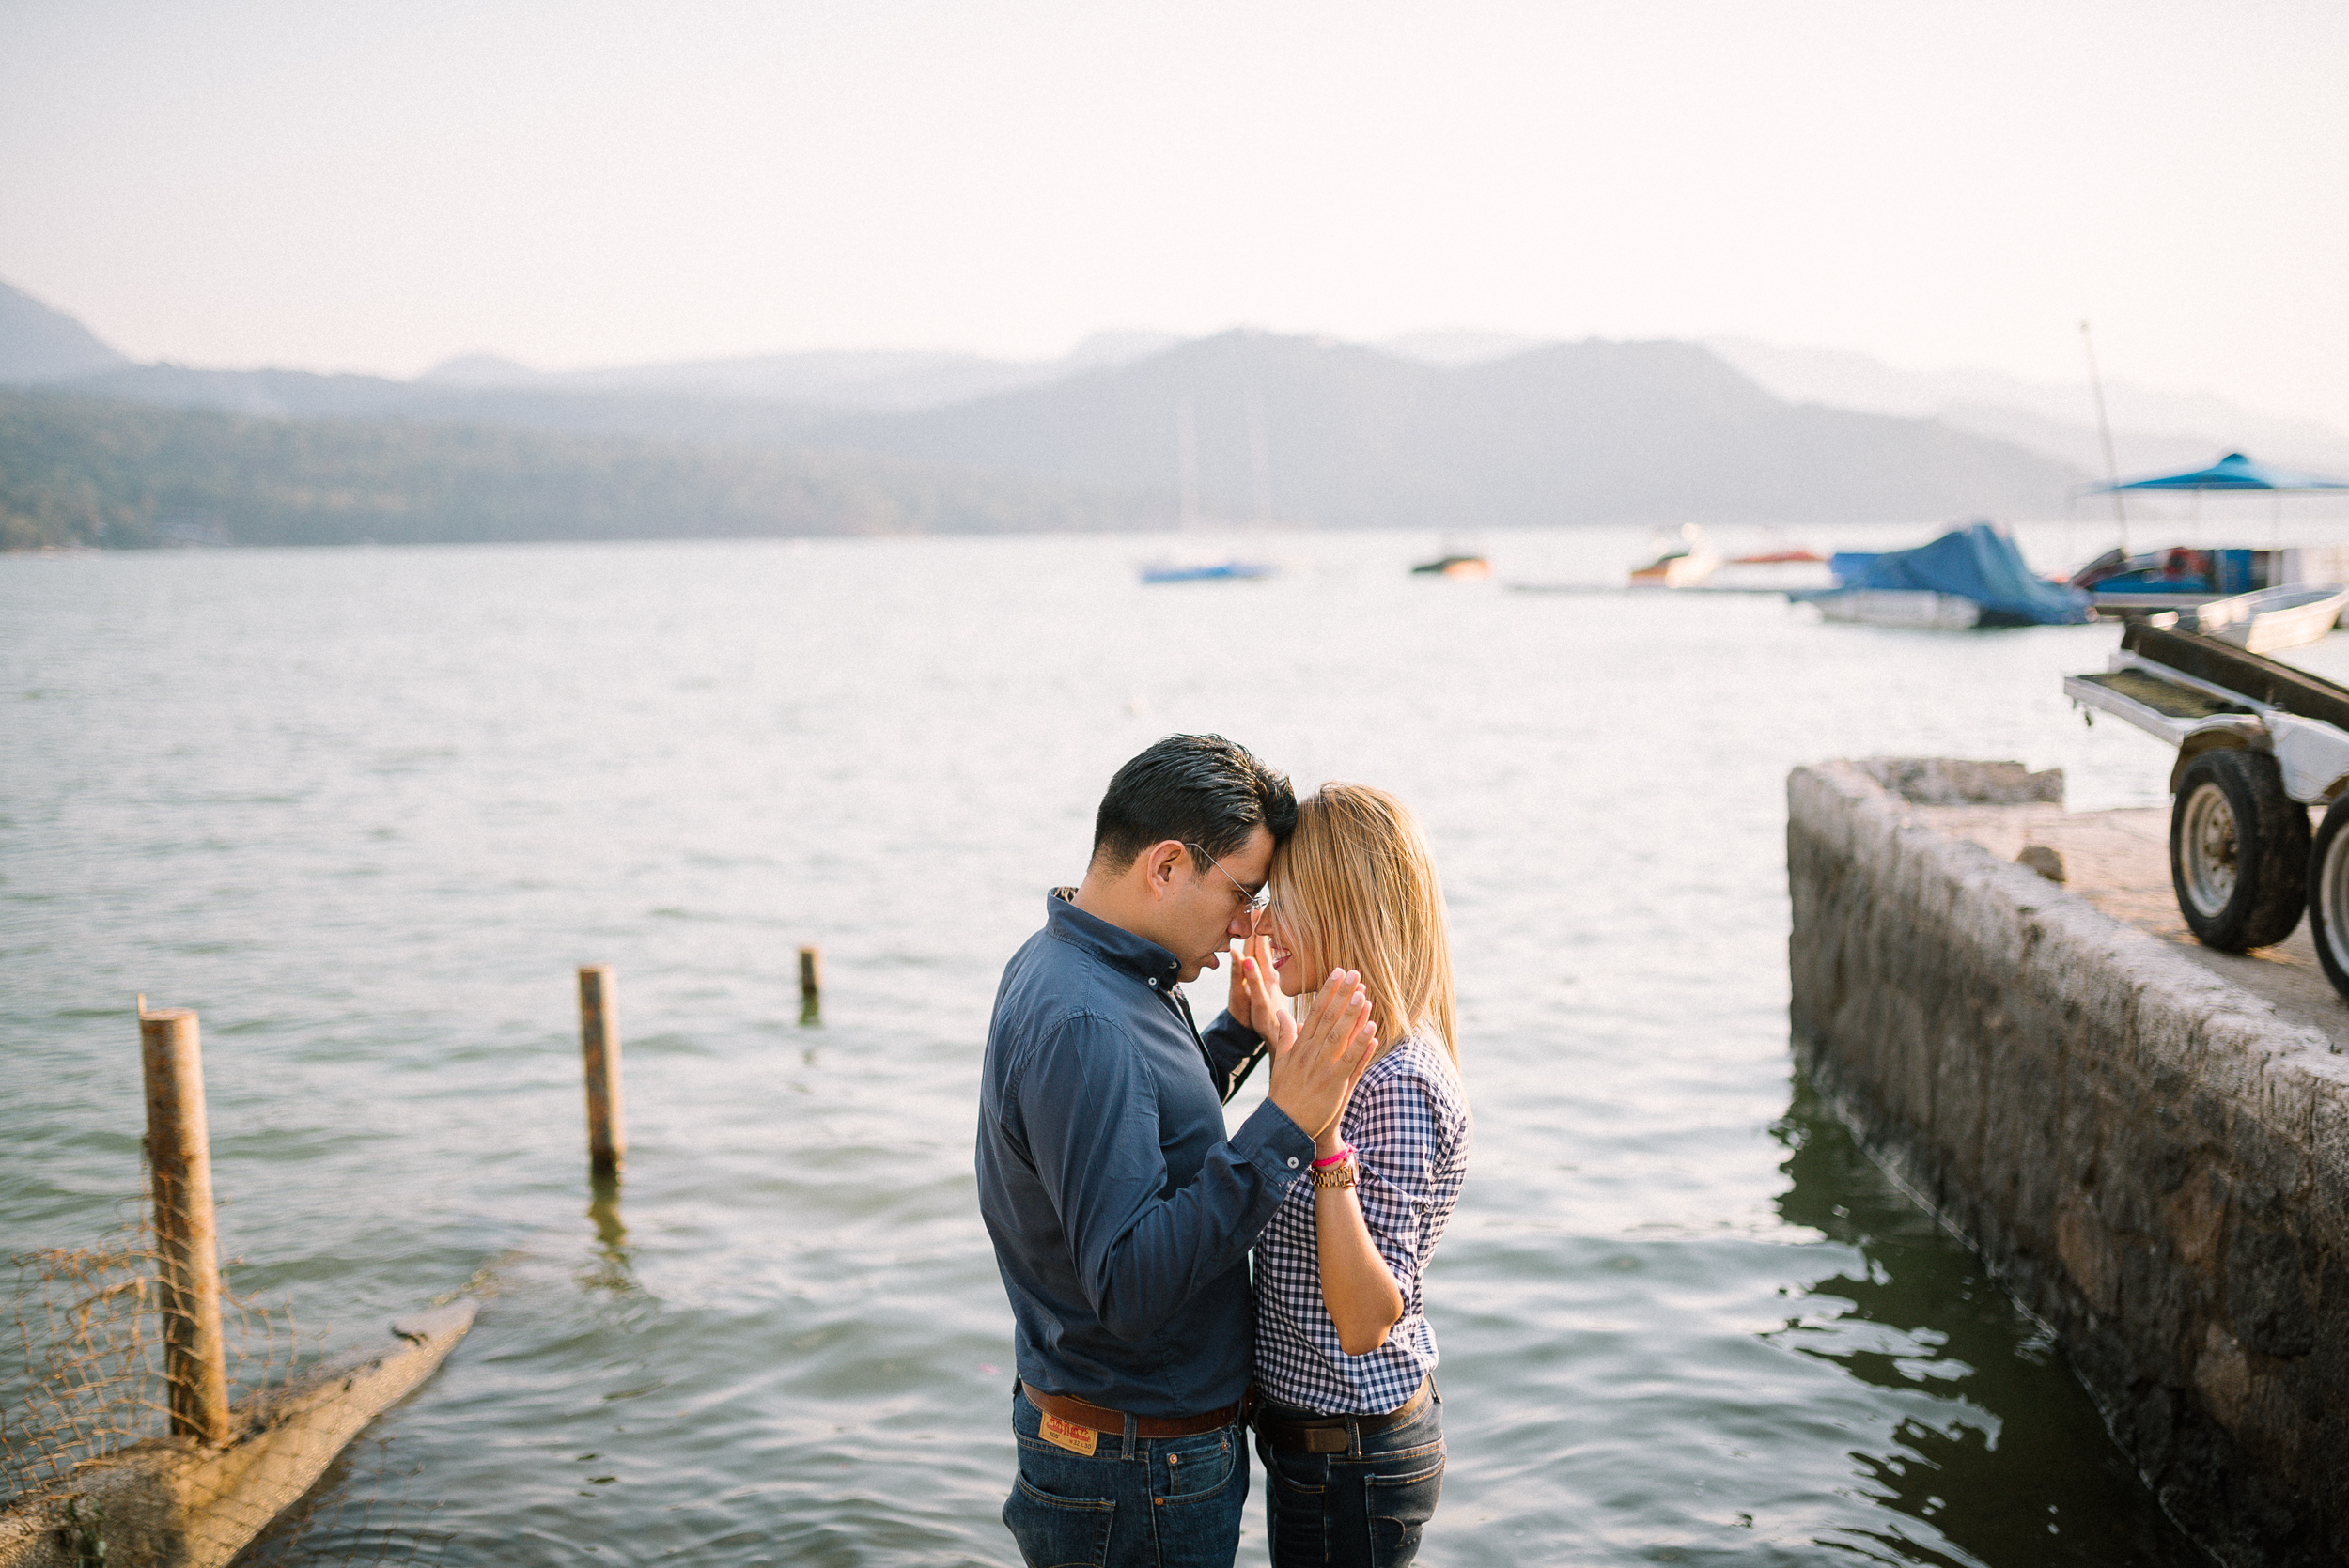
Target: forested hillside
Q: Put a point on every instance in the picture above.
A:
(87, 471)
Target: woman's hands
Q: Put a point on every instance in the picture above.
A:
(1278, 1026)
(1256, 1002)
(1315, 1064)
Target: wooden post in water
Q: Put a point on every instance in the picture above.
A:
(810, 983)
(599, 1049)
(187, 1246)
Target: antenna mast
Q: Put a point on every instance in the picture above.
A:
(1260, 457)
(1186, 456)
(2104, 429)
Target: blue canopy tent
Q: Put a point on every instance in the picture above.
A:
(1977, 562)
(2233, 471)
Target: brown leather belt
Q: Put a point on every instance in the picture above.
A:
(1332, 1434)
(1101, 1418)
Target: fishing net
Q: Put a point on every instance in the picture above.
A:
(92, 1477)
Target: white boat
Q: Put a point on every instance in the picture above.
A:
(1915, 608)
(1683, 565)
(1773, 572)
(2272, 618)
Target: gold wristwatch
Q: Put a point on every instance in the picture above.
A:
(1338, 1175)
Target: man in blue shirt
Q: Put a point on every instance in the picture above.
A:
(1121, 1214)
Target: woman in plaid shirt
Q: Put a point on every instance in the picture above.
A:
(1348, 1422)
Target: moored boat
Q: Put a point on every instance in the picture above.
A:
(1977, 567)
(1686, 565)
(1207, 571)
(1771, 571)
(2183, 578)
(1917, 609)
(2270, 619)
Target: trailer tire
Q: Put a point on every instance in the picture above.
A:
(2238, 850)
(2329, 894)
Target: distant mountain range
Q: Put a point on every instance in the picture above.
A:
(1315, 431)
(2152, 432)
(1441, 430)
(876, 378)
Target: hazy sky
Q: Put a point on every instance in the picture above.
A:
(380, 187)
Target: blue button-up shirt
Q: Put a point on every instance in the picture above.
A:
(1121, 1215)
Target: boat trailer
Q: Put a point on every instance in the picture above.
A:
(2259, 744)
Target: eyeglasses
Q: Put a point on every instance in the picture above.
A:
(1256, 902)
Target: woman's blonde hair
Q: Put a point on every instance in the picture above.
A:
(1355, 887)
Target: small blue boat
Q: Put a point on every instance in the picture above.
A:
(1207, 571)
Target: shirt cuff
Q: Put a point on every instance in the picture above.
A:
(1274, 1145)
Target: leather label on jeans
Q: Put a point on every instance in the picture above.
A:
(1068, 1434)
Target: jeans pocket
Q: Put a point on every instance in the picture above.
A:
(1303, 1475)
(1194, 1470)
(1056, 1531)
(1400, 1505)
(1295, 1506)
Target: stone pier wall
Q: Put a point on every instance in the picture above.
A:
(2151, 1159)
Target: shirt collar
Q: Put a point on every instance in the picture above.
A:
(1138, 956)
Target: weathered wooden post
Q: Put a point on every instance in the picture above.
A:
(599, 1047)
(810, 983)
(187, 1247)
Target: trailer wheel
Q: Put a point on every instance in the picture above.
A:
(2238, 850)
(2329, 894)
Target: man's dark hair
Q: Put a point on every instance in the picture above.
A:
(1201, 789)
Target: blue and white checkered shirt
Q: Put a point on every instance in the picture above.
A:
(1408, 1123)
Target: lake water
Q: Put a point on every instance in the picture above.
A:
(367, 810)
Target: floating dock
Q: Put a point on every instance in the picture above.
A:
(2147, 1140)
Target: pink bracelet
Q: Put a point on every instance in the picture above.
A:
(1343, 1154)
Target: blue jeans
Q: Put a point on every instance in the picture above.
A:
(1364, 1507)
(1136, 1502)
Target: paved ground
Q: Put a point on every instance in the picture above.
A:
(2119, 861)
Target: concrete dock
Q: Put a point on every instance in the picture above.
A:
(2148, 1141)
(2119, 861)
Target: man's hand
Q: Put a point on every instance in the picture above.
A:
(1313, 1069)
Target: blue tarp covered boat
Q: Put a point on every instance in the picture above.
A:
(1978, 563)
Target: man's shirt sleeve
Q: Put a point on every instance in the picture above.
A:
(1091, 1116)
